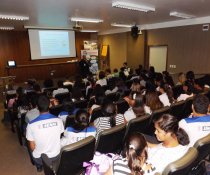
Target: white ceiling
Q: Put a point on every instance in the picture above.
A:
(55, 13)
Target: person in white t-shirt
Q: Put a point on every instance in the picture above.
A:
(79, 130)
(60, 89)
(187, 92)
(102, 79)
(43, 133)
(174, 143)
(166, 96)
(198, 125)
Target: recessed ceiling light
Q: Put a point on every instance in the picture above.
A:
(131, 6)
(181, 15)
(6, 28)
(86, 20)
(121, 25)
(92, 31)
(14, 17)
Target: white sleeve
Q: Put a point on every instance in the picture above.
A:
(62, 127)
(182, 124)
(29, 133)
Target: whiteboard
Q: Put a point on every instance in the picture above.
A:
(158, 57)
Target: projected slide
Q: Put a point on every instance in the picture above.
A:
(54, 43)
(49, 44)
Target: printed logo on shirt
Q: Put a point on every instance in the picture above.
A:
(48, 125)
(206, 128)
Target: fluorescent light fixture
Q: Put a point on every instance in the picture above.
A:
(86, 20)
(121, 25)
(181, 15)
(131, 6)
(14, 17)
(92, 31)
(6, 28)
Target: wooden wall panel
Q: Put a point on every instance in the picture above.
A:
(15, 45)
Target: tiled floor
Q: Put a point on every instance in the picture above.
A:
(14, 158)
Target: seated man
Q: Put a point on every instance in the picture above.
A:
(44, 132)
(60, 89)
(197, 125)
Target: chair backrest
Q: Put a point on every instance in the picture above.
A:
(176, 110)
(184, 165)
(73, 156)
(158, 113)
(122, 106)
(139, 124)
(81, 104)
(177, 90)
(55, 110)
(111, 140)
(61, 96)
(203, 147)
(187, 110)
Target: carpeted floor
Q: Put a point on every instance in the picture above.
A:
(14, 159)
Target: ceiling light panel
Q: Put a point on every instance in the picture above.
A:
(91, 31)
(14, 17)
(121, 25)
(131, 6)
(91, 20)
(6, 28)
(181, 15)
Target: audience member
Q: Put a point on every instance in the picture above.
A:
(60, 89)
(174, 143)
(181, 79)
(187, 92)
(79, 130)
(110, 119)
(134, 159)
(197, 125)
(43, 133)
(135, 87)
(152, 102)
(166, 96)
(137, 110)
(102, 79)
(33, 112)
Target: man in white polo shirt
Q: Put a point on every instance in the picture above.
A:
(43, 133)
(198, 125)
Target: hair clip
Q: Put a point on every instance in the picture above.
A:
(131, 146)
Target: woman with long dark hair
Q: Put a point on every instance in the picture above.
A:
(174, 141)
(133, 161)
(79, 130)
(110, 118)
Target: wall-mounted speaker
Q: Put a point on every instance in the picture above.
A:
(134, 31)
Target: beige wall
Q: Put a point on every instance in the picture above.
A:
(135, 50)
(188, 47)
(123, 47)
(117, 48)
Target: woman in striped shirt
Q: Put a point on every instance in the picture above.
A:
(110, 119)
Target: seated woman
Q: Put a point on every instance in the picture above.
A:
(173, 146)
(79, 130)
(152, 102)
(166, 96)
(76, 94)
(137, 110)
(110, 118)
(134, 160)
(187, 92)
(68, 109)
(136, 87)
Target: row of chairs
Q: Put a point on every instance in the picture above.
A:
(72, 156)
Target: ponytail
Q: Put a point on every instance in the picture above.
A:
(134, 163)
(182, 137)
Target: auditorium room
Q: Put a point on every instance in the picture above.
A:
(105, 87)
